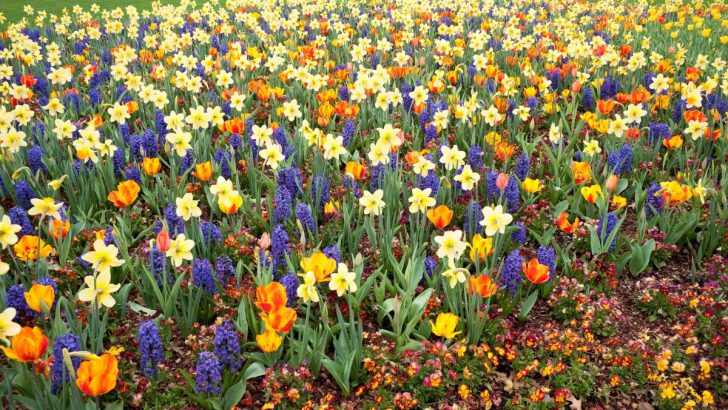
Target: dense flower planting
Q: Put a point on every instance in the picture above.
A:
(365, 204)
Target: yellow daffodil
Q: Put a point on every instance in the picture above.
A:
(180, 249)
(343, 280)
(99, 288)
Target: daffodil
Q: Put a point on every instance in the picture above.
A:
(454, 275)
(8, 231)
(452, 158)
(467, 178)
(180, 249)
(99, 288)
(45, 207)
(372, 202)
(272, 155)
(103, 257)
(495, 220)
(307, 290)
(450, 245)
(187, 207)
(343, 280)
(8, 328)
(420, 200)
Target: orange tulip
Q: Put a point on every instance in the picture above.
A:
(163, 242)
(26, 249)
(98, 375)
(440, 216)
(40, 293)
(535, 272)
(504, 150)
(612, 182)
(582, 172)
(151, 165)
(673, 143)
(562, 222)
(280, 319)
(355, 170)
(269, 341)
(126, 193)
(59, 229)
(482, 285)
(28, 345)
(605, 106)
(203, 171)
(270, 296)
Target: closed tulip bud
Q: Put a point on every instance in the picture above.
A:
(163, 241)
(264, 242)
(612, 182)
(501, 181)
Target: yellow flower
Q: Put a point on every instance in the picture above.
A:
(40, 295)
(307, 290)
(592, 193)
(180, 249)
(320, 265)
(444, 325)
(343, 280)
(8, 232)
(532, 185)
(420, 200)
(495, 220)
(99, 288)
(7, 326)
(45, 207)
(103, 257)
(187, 207)
(372, 202)
(618, 201)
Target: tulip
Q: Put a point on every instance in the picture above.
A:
(203, 171)
(59, 229)
(444, 325)
(482, 285)
(501, 181)
(562, 222)
(163, 241)
(126, 193)
(97, 375)
(151, 165)
(612, 182)
(355, 170)
(536, 272)
(440, 216)
(582, 172)
(592, 193)
(280, 318)
(270, 297)
(531, 185)
(264, 242)
(269, 341)
(26, 249)
(38, 294)
(230, 204)
(27, 346)
(321, 266)
(480, 247)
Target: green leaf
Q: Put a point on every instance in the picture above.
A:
(529, 303)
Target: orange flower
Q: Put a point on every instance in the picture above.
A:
(270, 296)
(355, 170)
(504, 150)
(203, 171)
(535, 272)
(132, 107)
(163, 242)
(59, 229)
(483, 285)
(98, 375)
(321, 266)
(26, 249)
(126, 193)
(280, 319)
(582, 172)
(269, 341)
(440, 216)
(27, 346)
(233, 126)
(40, 293)
(562, 222)
(151, 165)
(605, 106)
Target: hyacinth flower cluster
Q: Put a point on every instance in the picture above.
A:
(395, 202)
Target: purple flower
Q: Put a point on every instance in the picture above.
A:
(290, 281)
(209, 373)
(519, 235)
(227, 345)
(303, 214)
(523, 166)
(59, 373)
(151, 351)
(202, 276)
(24, 194)
(653, 203)
(224, 267)
(547, 256)
(605, 229)
(279, 245)
(510, 274)
(283, 203)
(18, 216)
